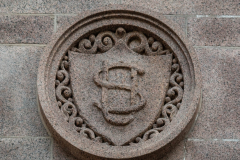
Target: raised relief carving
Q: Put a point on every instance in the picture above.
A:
(104, 41)
(109, 112)
(123, 114)
(119, 83)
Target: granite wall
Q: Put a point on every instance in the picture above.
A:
(213, 26)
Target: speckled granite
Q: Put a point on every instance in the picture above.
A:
(214, 31)
(25, 148)
(61, 154)
(204, 7)
(212, 7)
(25, 29)
(118, 39)
(18, 112)
(219, 115)
(212, 150)
(53, 6)
(180, 20)
(177, 153)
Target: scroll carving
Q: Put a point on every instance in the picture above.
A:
(135, 40)
(173, 100)
(101, 43)
(103, 106)
(66, 104)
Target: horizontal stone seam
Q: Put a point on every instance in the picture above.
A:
(26, 137)
(227, 47)
(75, 14)
(23, 44)
(213, 140)
(44, 45)
(36, 14)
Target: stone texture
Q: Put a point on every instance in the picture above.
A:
(25, 148)
(18, 74)
(214, 31)
(219, 115)
(150, 87)
(67, 20)
(177, 153)
(61, 154)
(212, 150)
(63, 21)
(53, 6)
(107, 55)
(180, 20)
(25, 29)
(212, 7)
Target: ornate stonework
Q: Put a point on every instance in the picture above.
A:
(119, 84)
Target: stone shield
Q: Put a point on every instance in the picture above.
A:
(119, 93)
(120, 82)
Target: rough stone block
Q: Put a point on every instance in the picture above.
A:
(212, 7)
(25, 29)
(18, 75)
(60, 154)
(53, 6)
(180, 20)
(212, 150)
(25, 148)
(214, 31)
(219, 115)
(176, 154)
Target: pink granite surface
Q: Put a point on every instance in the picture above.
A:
(18, 112)
(212, 150)
(25, 29)
(204, 7)
(214, 31)
(180, 20)
(25, 148)
(153, 149)
(218, 117)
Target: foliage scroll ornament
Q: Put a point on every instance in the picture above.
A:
(104, 41)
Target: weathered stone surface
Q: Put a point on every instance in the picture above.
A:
(177, 153)
(115, 86)
(203, 7)
(18, 74)
(60, 154)
(53, 6)
(180, 20)
(212, 7)
(219, 115)
(214, 31)
(25, 148)
(67, 20)
(212, 150)
(25, 29)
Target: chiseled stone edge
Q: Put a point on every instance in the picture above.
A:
(158, 147)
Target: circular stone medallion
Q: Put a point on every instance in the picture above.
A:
(119, 83)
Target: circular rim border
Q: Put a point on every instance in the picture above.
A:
(159, 147)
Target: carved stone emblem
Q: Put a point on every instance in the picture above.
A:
(118, 86)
